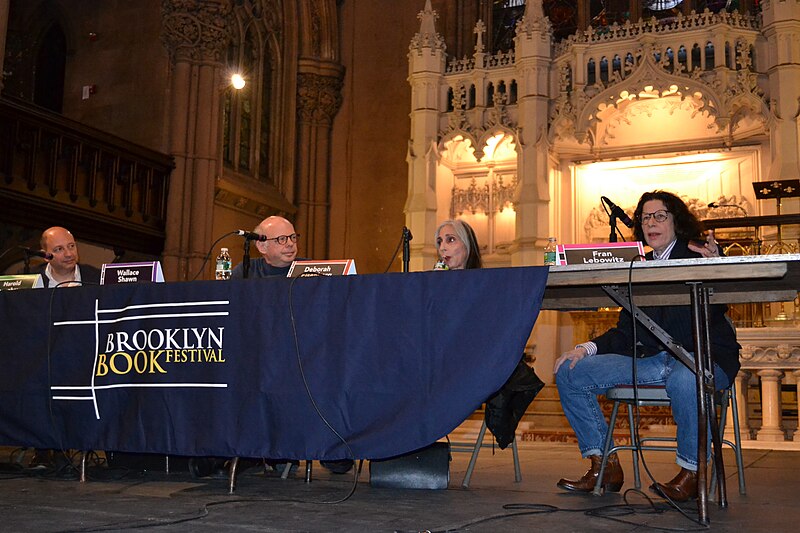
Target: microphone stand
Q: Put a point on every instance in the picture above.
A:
(246, 259)
(27, 261)
(612, 221)
(406, 249)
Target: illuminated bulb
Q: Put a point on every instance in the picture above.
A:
(237, 81)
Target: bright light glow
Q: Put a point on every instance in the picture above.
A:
(237, 81)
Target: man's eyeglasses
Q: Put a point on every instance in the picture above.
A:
(281, 239)
(660, 216)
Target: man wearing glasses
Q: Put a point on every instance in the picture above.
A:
(277, 252)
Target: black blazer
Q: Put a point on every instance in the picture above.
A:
(677, 321)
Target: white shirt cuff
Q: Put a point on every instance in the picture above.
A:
(590, 347)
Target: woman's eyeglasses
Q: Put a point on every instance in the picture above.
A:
(659, 216)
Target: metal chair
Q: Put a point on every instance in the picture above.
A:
(654, 395)
(475, 448)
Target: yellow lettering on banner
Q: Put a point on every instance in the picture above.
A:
(154, 362)
(102, 367)
(113, 363)
(140, 362)
(213, 356)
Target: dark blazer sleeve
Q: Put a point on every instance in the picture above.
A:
(90, 274)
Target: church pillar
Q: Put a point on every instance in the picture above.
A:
(195, 34)
(532, 201)
(426, 59)
(781, 26)
(319, 96)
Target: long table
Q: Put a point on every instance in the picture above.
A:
(367, 366)
(696, 283)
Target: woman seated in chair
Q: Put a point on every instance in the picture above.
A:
(458, 249)
(664, 222)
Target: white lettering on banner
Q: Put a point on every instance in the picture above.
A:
(157, 339)
(148, 357)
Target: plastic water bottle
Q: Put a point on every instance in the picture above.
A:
(223, 265)
(550, 252)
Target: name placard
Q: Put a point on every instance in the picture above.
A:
(116, 273)
(21, 281)
(599, 253)
(335, 267)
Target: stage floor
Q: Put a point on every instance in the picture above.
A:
(120, 500)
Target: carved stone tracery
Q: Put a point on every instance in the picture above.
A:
(319, 97)
(196, 29)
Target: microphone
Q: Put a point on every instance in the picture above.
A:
(37, 253)
(714, 205)
(407, 234)
(618, 212)
(250, 236)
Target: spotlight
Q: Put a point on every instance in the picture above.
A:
(237, 81)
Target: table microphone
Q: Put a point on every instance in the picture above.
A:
(37, 253)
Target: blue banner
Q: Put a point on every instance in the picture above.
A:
(261, 368)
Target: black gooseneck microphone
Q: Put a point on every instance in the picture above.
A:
(250, 236)
(37, 253)
(617, 211)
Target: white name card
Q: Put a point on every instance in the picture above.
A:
(116, 273)
(21, 281)
(599, 253)
(335, 267)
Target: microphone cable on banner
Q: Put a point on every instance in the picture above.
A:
(356, 468)
(68, 465)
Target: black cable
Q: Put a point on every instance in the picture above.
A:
(394, 255)
(211, 251)
(314, 403)
(636, 412)
(608, 512)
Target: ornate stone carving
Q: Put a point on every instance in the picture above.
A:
(318, 97)
(427, 36)
(196, 29)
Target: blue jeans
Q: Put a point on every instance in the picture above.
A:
(594, 375)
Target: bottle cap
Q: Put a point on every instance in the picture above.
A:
(223, 249)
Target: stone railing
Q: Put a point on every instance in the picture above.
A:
(768, 333)
(717, 49)
(770, 358)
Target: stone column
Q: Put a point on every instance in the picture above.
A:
(319, 96)
(742, 384)
(426, 66)
(532, 202)
(796, 436)
(771, 427)
(195, 34)
(781, 27)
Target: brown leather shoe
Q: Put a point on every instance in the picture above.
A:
(613, 477)
(682, 488)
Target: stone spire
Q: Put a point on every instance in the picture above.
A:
(534, 19)
(427, 36)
